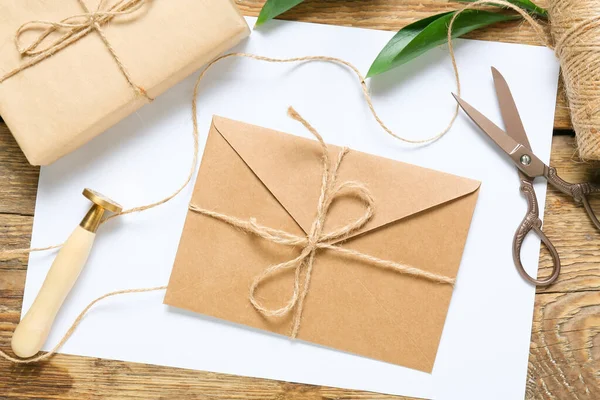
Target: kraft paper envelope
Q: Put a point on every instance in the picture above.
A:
(422, 218)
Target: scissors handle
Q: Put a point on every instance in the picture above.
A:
(532, 222)
(579, 191)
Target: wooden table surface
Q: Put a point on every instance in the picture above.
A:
(564, 359)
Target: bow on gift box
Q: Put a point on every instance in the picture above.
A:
(316, 239)
(74, 28)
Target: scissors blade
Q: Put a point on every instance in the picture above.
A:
(524, 159)
(508, 109)
(500, 137)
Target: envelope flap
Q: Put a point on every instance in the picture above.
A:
(290, 167)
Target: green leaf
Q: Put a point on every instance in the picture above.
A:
(421, 36)
(526, 5)
(399, 42)
(273, 8)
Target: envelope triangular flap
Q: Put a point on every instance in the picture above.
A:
(291, 168)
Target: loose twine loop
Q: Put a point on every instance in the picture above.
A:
(316, 239)
(75, 32)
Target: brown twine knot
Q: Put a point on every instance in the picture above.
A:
(74, 28)
(316, 239)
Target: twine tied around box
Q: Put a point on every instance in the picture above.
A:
(74, 28)
(316, 239)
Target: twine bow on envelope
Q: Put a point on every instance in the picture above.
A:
(72, 29)
(316, 239)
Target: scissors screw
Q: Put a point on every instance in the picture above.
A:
(525, 159)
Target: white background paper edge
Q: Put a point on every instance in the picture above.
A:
(102, 331)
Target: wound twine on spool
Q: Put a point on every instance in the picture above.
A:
(575, 29)
(575, 32)
(9, 253)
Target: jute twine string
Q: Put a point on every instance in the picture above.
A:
(539, 30)
(575, 31)
(14, 252)
(316, 239)
(67, 335)
(74, 28)
(575, 28)
(195, 133)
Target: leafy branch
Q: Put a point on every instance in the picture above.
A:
(421, 36)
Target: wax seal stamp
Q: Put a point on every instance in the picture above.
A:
(32, 331)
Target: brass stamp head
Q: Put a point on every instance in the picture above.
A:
(102, 201)
(92, 219)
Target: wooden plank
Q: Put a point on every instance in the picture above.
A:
(567, 226)
(15, 233)
(564, 358)
(18, 182)
(68, 377)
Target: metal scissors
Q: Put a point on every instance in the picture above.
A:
(515, 144)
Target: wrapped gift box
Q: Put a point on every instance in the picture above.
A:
(107, 59)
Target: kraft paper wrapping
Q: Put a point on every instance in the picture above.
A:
(422, 218)
(67, 99)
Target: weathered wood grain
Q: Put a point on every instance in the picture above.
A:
(105, 379)
(564, 358)
(567, 225)
(18, 179)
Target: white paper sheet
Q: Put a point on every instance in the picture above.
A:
(484, 347)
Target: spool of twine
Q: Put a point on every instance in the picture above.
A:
(575, 30)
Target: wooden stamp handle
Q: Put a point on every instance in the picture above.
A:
(32, 331)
